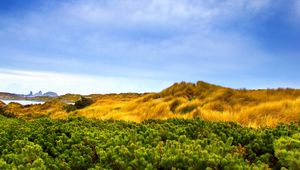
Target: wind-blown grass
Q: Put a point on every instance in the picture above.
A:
(255, 108)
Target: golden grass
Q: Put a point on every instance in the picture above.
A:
(254, 108)
(37, 110)
(271, 113)
(2, 104)
(265, 114)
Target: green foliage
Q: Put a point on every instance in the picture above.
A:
(287, 150)
(79, 143)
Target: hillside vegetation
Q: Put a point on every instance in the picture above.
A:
(186, 126)
(255, 108)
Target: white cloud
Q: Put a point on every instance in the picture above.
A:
(23, 81)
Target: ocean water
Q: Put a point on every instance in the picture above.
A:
(23, 102)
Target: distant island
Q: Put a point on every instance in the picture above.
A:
(40, 94)
(4, 95)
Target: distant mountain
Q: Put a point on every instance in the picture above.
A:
(40, 93)
(50, 94)
(4, 95)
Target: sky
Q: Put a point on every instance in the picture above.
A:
(114, 46)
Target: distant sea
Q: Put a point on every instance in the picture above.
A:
(23, 102)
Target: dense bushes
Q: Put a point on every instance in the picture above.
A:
(79, 143)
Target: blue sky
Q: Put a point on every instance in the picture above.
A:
(104, 46)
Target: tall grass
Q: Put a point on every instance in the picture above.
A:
(255, 108)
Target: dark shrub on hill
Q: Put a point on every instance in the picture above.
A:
(83, 102)
(70, 108)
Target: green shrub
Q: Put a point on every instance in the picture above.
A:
(80, 143)
(287, 150)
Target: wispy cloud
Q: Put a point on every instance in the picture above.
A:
(160, 11)
(297, 7)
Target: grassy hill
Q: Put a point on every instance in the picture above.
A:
(210, 102)
(4, 95)
(255, 108)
